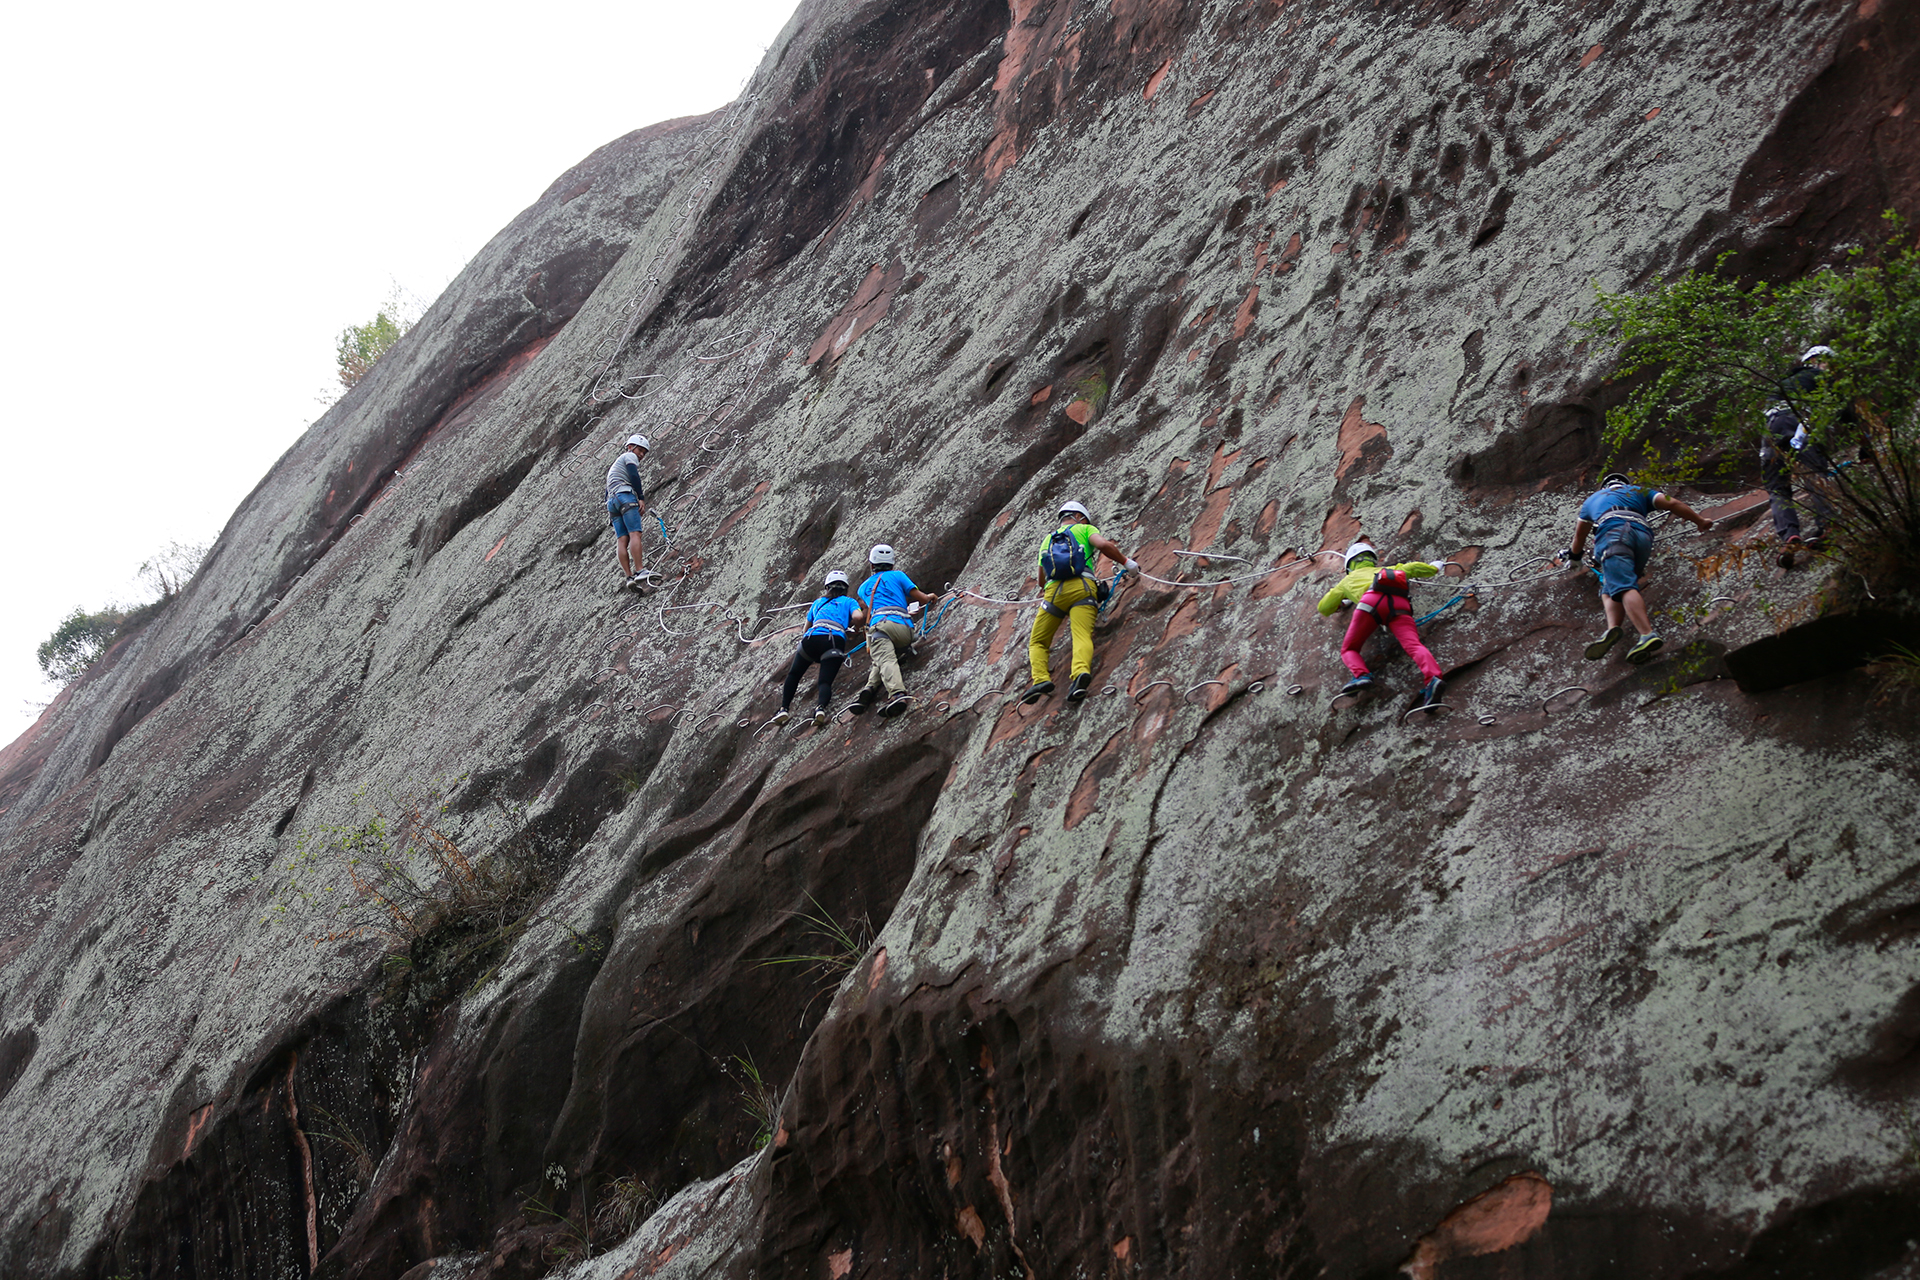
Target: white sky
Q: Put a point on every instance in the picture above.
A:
(200, 196)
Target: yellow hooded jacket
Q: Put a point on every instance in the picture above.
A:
(1360, 581)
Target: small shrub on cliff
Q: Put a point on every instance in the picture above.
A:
(1717, 352)
(167, 571)
(360, 346)
(758, 1099)
(444, 894)
(841, 946)
(590, 1223)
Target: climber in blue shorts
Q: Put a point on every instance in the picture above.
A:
(626, 504)
(1616, 516)
(830, 620)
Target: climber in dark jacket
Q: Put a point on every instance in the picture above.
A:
(1788, 439)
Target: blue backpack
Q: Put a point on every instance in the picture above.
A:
(1063, 558)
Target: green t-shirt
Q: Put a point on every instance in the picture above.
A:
(1084, 534)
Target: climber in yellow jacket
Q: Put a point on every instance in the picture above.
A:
(1069, 589)
(1379, 595)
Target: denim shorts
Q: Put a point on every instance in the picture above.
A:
(623, 513)
(1621, 551)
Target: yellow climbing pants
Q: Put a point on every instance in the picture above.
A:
(1077, 598)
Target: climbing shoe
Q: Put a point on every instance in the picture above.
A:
(1036, 691)
(1787, 550)
(1359, 684)
(1817, 539)
(780, 717)
(1078, 689)
(865, 700)
(1430, 692)
(1648, 646)
(896, 704)
(1608, 638)
(820, 718)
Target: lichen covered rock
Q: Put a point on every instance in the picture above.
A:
(1602, 969)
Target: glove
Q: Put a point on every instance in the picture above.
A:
(1133, 566)
(1799, 440)
(1573, 557)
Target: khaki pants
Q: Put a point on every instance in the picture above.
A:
(886, 641)
(1076, 597)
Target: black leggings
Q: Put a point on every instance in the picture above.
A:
(824, 650)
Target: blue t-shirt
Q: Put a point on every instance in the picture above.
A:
(1618, 499)
(885, 594)
(831, 615)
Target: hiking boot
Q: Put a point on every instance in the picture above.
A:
(865, 700)
(1037, 690)
(896, 704)
(1608, 638)
(1430, 692)
(1078, 689)
(780, 717)
(1648, 646)
(820, 717)
(1359, 684)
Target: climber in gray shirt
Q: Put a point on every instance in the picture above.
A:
(626, 503)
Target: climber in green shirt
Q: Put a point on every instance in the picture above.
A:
(1069, 589)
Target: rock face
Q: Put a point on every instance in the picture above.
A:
(1605, 971)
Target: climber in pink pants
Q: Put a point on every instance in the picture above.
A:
(1379, 595)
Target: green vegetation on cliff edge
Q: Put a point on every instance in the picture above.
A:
(1715, 354)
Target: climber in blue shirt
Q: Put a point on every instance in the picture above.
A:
(889, 596)
(1622, 541)
(830, 619)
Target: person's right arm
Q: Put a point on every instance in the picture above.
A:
(1681, 509)
(1111, 549)
(633, 478)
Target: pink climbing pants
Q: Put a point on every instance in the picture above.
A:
(1401, 624)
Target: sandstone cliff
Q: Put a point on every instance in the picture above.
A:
(1605, 972)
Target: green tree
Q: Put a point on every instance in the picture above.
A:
(1716, 351)
(359, 346)
(77, 643)
(82, 637)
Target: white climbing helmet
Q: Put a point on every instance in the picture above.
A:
(637, 442)
(835, 579)
(1613, 478)
(1815, 353)
(1358, 549)
(1075, 509)
(881, 554)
